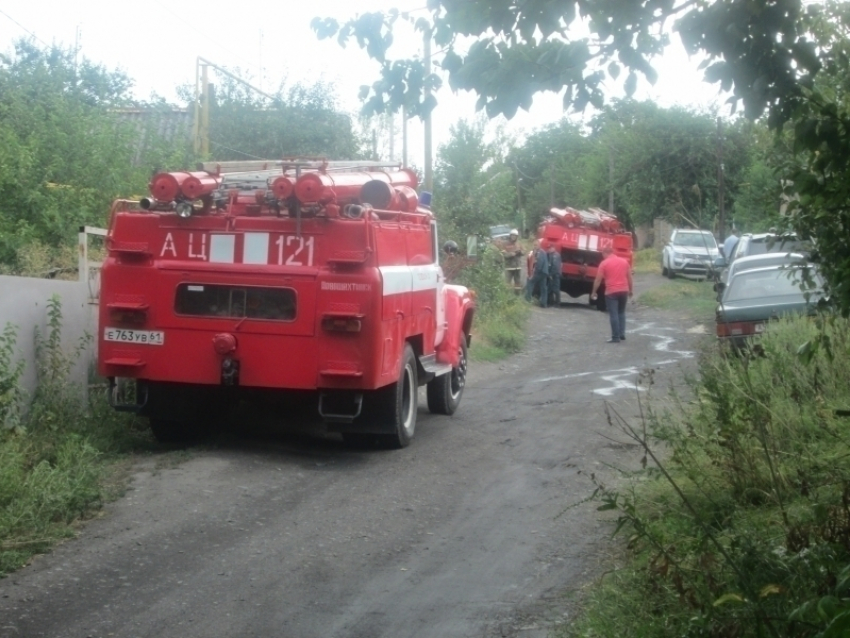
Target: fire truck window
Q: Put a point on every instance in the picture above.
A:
(273, 304)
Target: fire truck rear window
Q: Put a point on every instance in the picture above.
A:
(205, 300)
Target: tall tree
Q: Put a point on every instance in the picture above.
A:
(473, 188)
(63, 158)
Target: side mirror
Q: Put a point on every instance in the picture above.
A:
(720, 262)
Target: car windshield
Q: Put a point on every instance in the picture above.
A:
(758, 284)
(695, 240)
(765, 245)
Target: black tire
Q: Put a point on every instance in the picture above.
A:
(444, 392)
(664, 271)
(671, 274)
(395, 406)
(169, 431)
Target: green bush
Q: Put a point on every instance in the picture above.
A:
(500, 314)
(740, 525)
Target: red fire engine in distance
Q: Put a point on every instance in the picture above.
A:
(580, 236)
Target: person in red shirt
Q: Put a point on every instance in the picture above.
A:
(616, 273)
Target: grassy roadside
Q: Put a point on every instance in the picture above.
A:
(60, 459)
(685, 296)
(739, 525)
(499, 326)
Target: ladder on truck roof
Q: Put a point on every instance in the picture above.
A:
(291, 164)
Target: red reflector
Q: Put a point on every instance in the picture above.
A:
(735, 328)
(125, 362)
(128, 316)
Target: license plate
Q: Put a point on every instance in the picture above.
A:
(147, 337)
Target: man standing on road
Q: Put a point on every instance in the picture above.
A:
(616, 272)
(540, 276)
(512, 253)
(730, 243)
(555, 275)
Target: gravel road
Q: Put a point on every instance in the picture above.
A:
(468, 532)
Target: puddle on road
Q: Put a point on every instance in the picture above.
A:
(624, 378)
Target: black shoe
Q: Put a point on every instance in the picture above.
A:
(613, 341)
(622, 337)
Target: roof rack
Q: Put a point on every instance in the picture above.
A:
(291, 163)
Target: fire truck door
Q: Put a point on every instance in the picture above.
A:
(440, 301)
(441, 308)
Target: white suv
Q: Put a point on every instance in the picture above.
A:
(689, 252)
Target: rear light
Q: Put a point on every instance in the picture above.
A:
(738, 328)
(341, 324)
(128, 314)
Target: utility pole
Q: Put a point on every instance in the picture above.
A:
(551, 184)
(721, 222)
(519, 200)
(201, 126)
(429, 177)
(403, 137)
(391, 126)
(611, 179)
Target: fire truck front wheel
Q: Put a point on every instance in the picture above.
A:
(444, 392)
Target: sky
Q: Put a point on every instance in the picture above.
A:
(157, 44)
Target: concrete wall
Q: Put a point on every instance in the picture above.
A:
(654, 236)
(24, 304)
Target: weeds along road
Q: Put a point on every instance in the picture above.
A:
(468, 532)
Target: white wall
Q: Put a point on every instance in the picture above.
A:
(24, 303)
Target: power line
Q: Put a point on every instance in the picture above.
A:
(23, 27)
(190, 25)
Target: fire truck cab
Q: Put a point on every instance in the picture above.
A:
(317, 280)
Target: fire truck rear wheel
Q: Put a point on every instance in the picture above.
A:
(444, 392)
(394, 407)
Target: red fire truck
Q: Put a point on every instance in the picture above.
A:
(580, 236)
(313, 280)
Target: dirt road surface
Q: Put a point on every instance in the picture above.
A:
(468, 532)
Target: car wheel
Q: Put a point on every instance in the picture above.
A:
(398, 403)
(444, 392)
(664, 270)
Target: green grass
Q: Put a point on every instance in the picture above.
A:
(499, 326)
(695, 298)
(647, 261)
(62, 457)
(740, 523)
